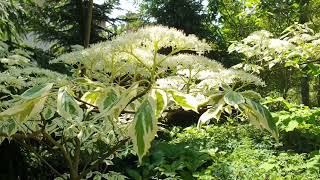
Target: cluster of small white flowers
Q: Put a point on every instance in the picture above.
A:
(279, 44)
(257, 37)
(212, 80)
(15, 60)
(124, 50)
(134, 53)
(189, 61)
(171, 37)
(171, 82)
(230, 76)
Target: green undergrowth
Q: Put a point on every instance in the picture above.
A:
(223, 152)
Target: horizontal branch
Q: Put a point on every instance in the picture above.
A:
(21, 136)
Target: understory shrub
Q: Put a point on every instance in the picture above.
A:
(224, 152)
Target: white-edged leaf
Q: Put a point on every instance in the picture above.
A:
(251, 95)
(215, 98)
(91, 97)
(37, 91)
(114, 109)
(259, 115)
(48, 112)
(144, 127)
(212, 113)
(8, 127)
(161, 101)
(228, 109)
(24, 110)
(67, 106)
(108, 98)
(233, 98)
(186, 101)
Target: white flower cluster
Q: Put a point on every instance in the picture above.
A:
(297, 45)
(138, 54)
(133, 52)
(205, 74)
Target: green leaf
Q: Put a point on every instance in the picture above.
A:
(114, 109)
(161, 101)
(144, 127)
(186, 101)
(37, 91)
(251, 95)
(233, 98)
(91, 97)
(215, 98)
(8, 127)
(108, 98)
(292, 125)
(67, 106)
(48, 112)
(211, 113)
(228, 109)
(260, 116)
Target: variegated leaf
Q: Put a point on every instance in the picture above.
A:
(259, 115)
(161, 101)
(186, 101)
(115, 109)
(24, 110)
(48, 112)
(67, 106)
(37, 91)
(211, 113)
(233, 98)
(108, 98)
(144, 127)
(91, 97)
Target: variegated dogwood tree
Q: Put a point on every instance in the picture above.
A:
(117, 93)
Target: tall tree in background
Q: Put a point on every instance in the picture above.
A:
(65, 22)
(186, 15)
(12, 15)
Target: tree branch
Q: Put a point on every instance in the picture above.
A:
(54, 142)
(34, 135)
(80, 100)
(104, 156)
(40, 157)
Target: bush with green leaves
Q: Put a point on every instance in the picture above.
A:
(292, 116)
(117, 92)
(224, 152)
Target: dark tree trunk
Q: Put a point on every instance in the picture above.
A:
(318, 90)
(88, 24)
(304, 17)
(79, 9)
(305, 89)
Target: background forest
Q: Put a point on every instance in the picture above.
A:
(175, 89)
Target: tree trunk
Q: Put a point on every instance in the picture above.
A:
(79, 10)
(318, 88)
(88, 24)
(305, 97)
